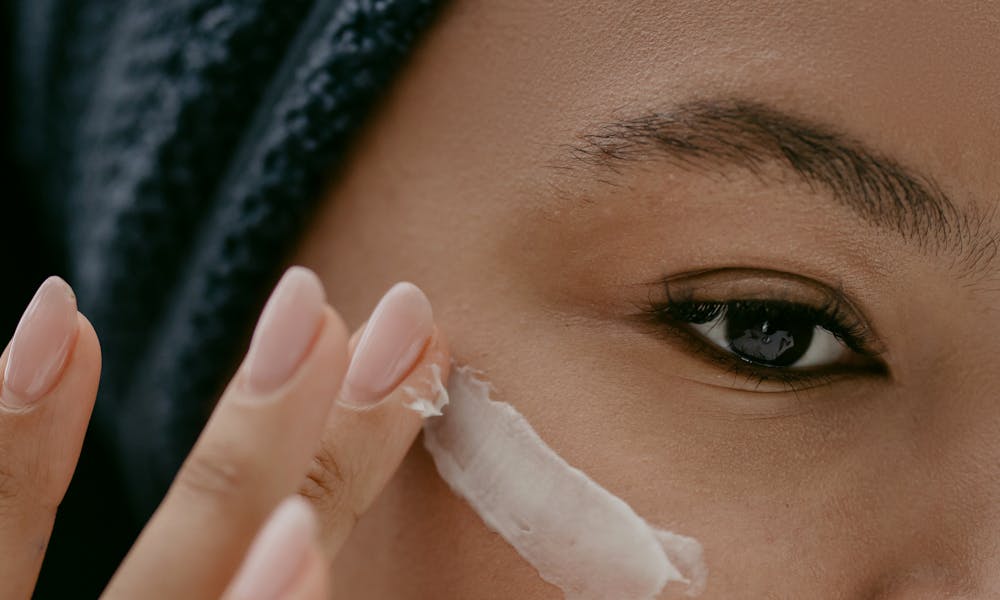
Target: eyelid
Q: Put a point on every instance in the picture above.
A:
(719, 285)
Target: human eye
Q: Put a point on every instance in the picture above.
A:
(768, 326)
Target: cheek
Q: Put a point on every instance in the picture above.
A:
(420, 540)
(757, 493)
(578, 535)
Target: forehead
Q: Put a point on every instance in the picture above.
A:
(921, 81)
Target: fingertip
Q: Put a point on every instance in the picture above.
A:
(280, 555)
(296, 328)
(394, 338)
(355, 337)
(286, 331)
(313, 582)
(88, 344)
(422, 388)
(41, 345)
(424, 391)
(78, 383)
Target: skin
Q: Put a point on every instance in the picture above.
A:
(854, 487)
(863, 487)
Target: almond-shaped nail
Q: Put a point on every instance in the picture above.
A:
(393, 339)
(278, 553)
(41, 343)
(285, 331)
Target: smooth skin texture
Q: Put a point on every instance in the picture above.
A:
(277, 429)
(864, 487)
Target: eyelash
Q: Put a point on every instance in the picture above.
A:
(675, 316)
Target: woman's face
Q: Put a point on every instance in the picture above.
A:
(740, 265)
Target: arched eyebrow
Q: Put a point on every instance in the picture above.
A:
(707, 135)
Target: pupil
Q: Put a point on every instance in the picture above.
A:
(766, 336)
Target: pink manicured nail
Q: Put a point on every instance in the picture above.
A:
(285, 331)
(41, 344)
(277, 554)
(393, 339)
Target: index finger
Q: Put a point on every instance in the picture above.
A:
(253, 452)
(47, 388)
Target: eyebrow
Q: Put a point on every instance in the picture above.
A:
(704, 135)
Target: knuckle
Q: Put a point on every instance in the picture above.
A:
(30, 489)
(215, 475)
(326, 485)
(25, 494)
(9, 491)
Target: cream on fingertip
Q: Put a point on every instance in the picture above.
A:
(424, 403)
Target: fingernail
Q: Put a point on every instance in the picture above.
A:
(41, 344)
(285, 331)
(393, 338)
(277, 554)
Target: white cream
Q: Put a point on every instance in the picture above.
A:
(579, 536)
(428, 407)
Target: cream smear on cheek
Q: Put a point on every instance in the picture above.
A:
(578, 536)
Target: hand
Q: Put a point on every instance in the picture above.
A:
(276, 430)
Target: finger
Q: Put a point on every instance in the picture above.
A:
(253, 452)
(363, 444)
(314, 584)
(284, 560)
(50, 374)
(355, 338)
